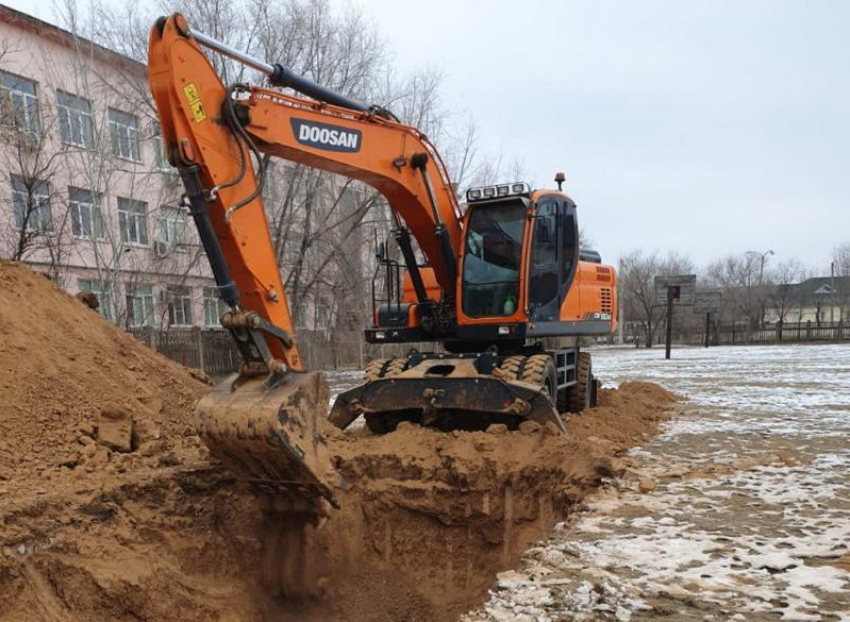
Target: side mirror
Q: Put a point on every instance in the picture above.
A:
(381, 251)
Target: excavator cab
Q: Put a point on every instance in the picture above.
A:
(494, 254)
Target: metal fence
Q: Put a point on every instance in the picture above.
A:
(780, 332)
(213, 351)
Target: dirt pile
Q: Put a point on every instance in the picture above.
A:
(63, 367)
(111, 510)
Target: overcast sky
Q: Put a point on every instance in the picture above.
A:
(709, 127)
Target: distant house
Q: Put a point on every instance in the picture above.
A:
(819, 299)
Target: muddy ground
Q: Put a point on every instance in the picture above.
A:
(111, 509)
(738, 510)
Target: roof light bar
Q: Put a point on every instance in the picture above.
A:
(519, 188)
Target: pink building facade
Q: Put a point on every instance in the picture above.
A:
(86, 195)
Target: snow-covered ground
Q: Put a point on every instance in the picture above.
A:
(739, 510)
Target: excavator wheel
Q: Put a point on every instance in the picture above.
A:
(510, 367)
(374, 369)
(384, 368)
(582, 394)
(395, 367)
(540, 370)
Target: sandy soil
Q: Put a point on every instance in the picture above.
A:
(110, 508)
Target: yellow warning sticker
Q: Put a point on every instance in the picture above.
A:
(191, 93)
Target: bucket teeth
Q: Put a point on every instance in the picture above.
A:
(270, 436)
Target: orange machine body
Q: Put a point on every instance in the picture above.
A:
(398, 161)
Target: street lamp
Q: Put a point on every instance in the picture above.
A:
(763, 257)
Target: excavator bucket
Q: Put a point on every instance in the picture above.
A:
(267, 431)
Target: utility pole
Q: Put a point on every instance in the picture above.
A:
(762, 257)
(832, 293)
(619, 326)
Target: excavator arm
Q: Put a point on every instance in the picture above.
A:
(213, 132)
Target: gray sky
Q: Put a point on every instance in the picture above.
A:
(709, 126)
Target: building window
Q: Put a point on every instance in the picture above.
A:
(123, 130)
(179, 306)
(75, 120)
(322, 317)
(86, 217)
(19, 103)
(172, 226)
(140, 309)
(214, 306)
(101, 290)
(133, 221)
(31, 202)
(162, 162)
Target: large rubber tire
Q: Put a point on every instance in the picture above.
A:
(384, 368)
(510, 367)
(580, 395)
(540, 370)
(395, 367)
(374, 370)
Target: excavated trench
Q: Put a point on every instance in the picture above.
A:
(427, 519)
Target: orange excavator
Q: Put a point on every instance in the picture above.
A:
(504, 293)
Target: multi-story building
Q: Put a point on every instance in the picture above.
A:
(86, 194)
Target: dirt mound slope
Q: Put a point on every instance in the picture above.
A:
(62, 367)
(110, 509)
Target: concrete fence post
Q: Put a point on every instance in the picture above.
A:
(199, 346)
(152, 338)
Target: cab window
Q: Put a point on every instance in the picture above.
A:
(569, 244)
(492, 260)
(545, 267)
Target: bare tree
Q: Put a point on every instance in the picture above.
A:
(741, 280)
(35, 229)
(781, 281)
(637, 273)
